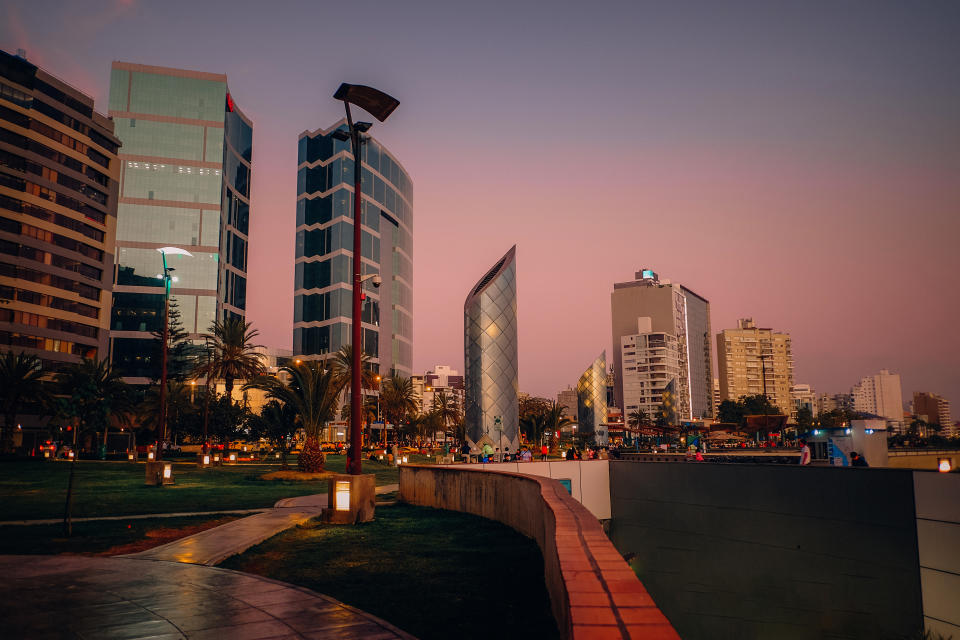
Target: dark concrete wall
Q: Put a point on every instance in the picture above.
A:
(772, 551)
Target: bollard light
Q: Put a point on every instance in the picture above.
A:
(46, 454)
(167, 471)
(944, 465)
(404, 459)
(70, 454)
(129, 456)
(233, 457)
(216, 457)
(150, 455)
(277, 456)
(206, 460)
(342, 496)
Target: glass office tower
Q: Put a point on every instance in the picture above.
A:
(592, 401)
(323, 286)
(185, 183)
(58, 204)
(490, 355)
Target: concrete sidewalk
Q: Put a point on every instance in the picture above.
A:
(141, 516)
(59, 597)
(215, 545)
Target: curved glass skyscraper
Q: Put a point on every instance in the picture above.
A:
(323, 288)
(490, 354)
(592, 401)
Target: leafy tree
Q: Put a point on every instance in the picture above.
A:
(179, 409)
(529, 405)
(313, 394)
(759, 405)
(21, 384)
(398, 399)
(731, 412)
(804, 419)
(533, 426)
(181, 352)
(555, 419)
(277, 423)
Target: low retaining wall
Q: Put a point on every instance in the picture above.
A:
(593, 592)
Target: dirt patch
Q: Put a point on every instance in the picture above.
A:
(301, 476)
(163, 535)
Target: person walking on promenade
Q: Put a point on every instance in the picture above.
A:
(804, 453)
(857, 460)
(544, 452)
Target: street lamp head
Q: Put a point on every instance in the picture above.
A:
(340, 135)
(362, 127)
(171, 251)
(375, 102)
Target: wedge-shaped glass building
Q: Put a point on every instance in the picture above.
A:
(592, 401)
(323, 286)
(491, 410)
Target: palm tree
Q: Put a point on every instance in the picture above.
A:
(342, 366)
(313, 394)
(398, 399)
(20, 383)
(91, 393)
(534, 425)
(178, 406)
(445, 407)
(555, 419)
(234, 355)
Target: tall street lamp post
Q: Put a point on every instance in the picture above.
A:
(167, 279)
(380, 106)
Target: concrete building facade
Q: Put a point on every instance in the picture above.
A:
(59, 181)
(671, 309)
(568, 398)
(880, 395)
(933, 408)
(651, 361)
(803, 396)
(754, 361)
(185, 183)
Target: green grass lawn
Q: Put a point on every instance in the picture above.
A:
(103, 535)
(433, 573)
(36, 490)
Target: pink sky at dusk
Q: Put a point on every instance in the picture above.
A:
(796, 164)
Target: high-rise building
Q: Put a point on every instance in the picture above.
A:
(932, 408)
(568, 399)
(323, 288)
(441, 379)
(803, 397)
(592, 401)
(490, 353)
(672, 309)
(185, 183)
(651, 361)
(755, 361)
(880, 395)
(59, 177)
(827, 402)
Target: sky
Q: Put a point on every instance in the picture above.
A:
(793, 162)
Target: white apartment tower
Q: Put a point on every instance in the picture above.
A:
(880, 395)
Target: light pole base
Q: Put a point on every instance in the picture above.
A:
(350, 499)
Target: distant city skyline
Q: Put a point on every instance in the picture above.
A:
(795, 164)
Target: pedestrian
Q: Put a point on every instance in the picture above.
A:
(527, 455)
(544, 452)
(571, 453)
(804, 453)
(487, 452)
(857, 460)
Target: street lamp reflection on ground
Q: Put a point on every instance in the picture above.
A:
(380, 106)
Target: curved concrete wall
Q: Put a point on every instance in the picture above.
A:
(593, 592)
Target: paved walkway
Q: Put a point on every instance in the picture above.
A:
(142, 516)
(47, 597)
(212, 546)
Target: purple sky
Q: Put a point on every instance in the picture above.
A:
(795, 163)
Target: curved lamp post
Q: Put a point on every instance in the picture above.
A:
(380, 106)
(167, 279)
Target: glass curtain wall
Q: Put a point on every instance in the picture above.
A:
(185, 182)
(490, 354)
(592, 401)
(324, 252)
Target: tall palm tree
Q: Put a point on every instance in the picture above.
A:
(445, 407)
(313, 394)
(398, 399)
(554, 419)
(20, 383)
(234, 355)
(90, 394)
(342, 366)
(178, 406)
(534, 425)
